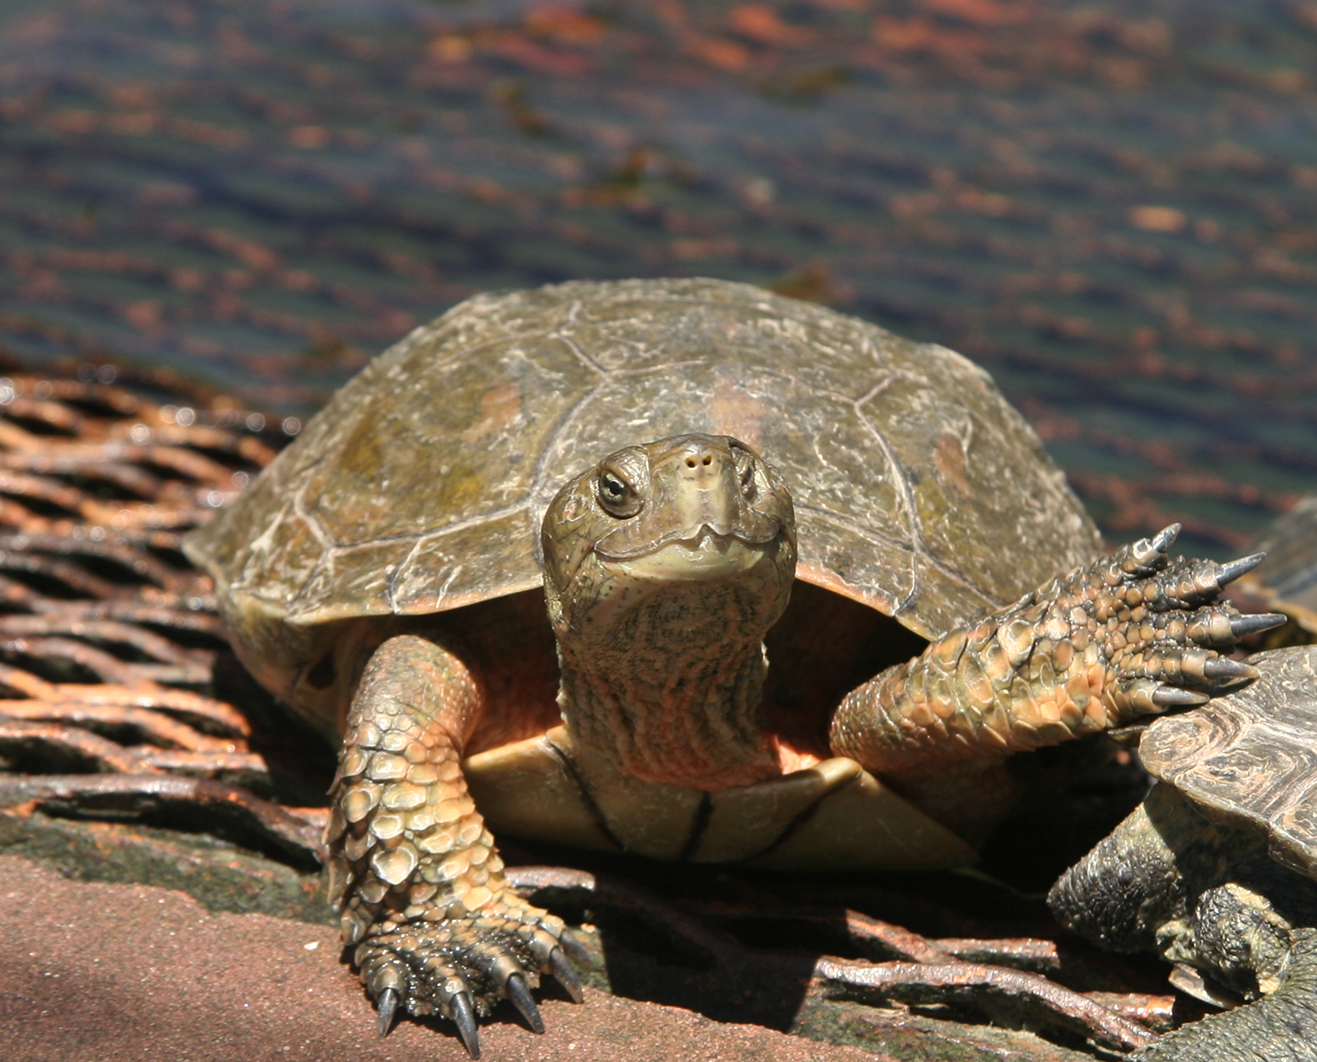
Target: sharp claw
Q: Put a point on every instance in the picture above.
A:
(1163, 538)
(1145, 551)
(565, 974)
(388, 1004)
(1174, 697)
(1223, 667)
(524, 1002)
(575, 950)
(1228, 573)
(1256, 621)
(465, 1020)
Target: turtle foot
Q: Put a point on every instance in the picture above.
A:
(1133, 634)
(462, 967)
(1167, 632)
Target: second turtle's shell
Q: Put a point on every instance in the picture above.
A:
(1250, 758)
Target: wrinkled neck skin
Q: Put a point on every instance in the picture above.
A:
(664, 568)
(671, 692)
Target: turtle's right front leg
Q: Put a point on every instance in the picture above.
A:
(419, 883)
(1133, 634)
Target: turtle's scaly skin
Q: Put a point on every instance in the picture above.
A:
(378, 577)
(1281, 1027)
(1093, 650)
(432, 918)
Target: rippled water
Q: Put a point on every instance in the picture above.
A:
(1111, 206)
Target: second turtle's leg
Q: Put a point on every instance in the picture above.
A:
(1132, 634)
(436, 927)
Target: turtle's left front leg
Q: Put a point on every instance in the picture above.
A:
(1133, 634)
(435, 925)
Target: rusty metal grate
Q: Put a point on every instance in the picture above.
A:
(108, 638)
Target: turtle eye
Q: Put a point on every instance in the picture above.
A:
(616, 495)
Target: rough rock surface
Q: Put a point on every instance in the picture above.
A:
(119, 972)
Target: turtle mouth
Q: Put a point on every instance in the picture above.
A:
(704, 556)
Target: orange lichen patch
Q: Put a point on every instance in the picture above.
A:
(564, 25)
(762, 24)
(1158, 219)
(450, 48)
(735, 412)
(717, 51)
(309, 136)
(982, 12)
(534, 55)
(921, 35)
(949, 459)
(500, 409)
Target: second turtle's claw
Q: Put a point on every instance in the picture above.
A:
(521, 998)
(465, 1019)
(565, 974)
(388, 1005)
(1229, 572)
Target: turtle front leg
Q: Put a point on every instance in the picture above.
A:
(436, 926)
(1132, 634)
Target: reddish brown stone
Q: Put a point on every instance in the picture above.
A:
(120, 972)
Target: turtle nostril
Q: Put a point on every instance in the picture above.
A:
(708, 459)
(690, 462)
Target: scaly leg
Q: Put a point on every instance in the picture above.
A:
(436, 926)
(1132, 634)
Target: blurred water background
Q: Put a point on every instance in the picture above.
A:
(1110, 204)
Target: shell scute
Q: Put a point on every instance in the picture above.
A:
(466, 564)
(446, 443)
(1249, 757)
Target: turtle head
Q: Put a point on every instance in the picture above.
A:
(696, 518)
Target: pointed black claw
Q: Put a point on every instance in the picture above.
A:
(1174, 697)
(1223, 667)
(1228, 573)
(524, 1002)
(388, 1004)
(575, 949)
(465, 1019)
(1163, 538)
(565, 974)
(1256, 621)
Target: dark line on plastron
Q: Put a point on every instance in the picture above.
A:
(595, 813)
(801, 818)
(703, 814)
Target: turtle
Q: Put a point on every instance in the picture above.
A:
(528, 569)
(1217, 869)
(1287, 580)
